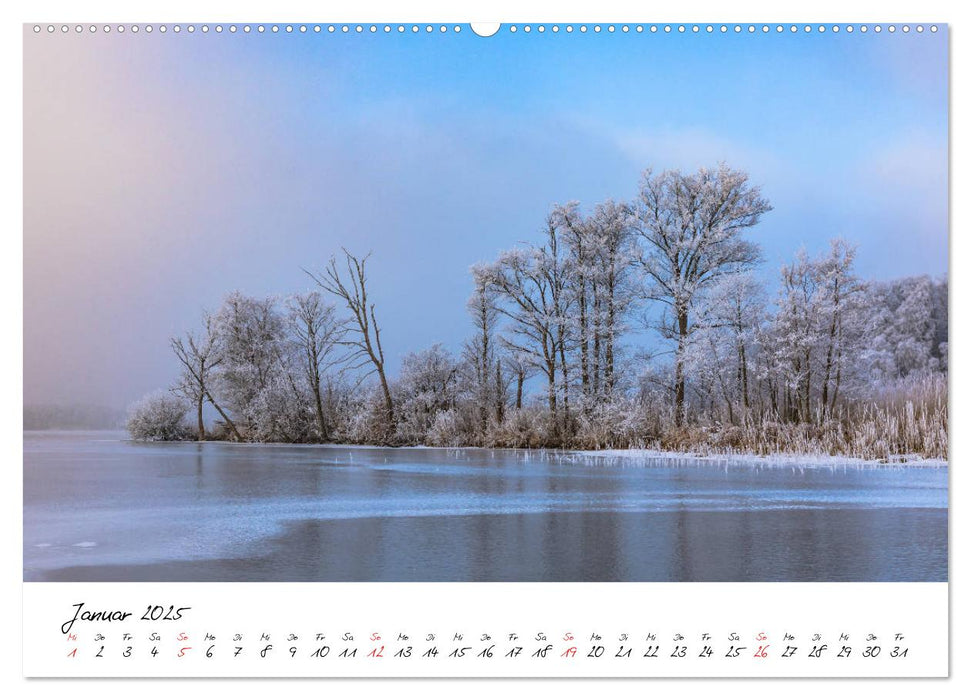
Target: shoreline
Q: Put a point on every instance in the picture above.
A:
(632, 455)
(795, 459)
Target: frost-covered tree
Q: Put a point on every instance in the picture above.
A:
(690, 230)
(600, 257)
(199, 356)
(249, 332)
(257, 363)
(521, 368)
(798, 333)
(316, 332)
(908, 326)
(842, 319)
(481, 352)
(579, 278)
(614, 291)
(535, 300)
(723, 351)
(361, 334)
(819, 332)
(158, 416)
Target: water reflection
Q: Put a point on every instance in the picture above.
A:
(250, 512)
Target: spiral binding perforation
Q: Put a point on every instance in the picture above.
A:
(438, 29)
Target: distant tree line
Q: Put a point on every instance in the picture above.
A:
(628, 324)
(72, 417)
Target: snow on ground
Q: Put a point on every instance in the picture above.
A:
(779, 459)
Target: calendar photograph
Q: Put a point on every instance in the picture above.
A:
(559, 303)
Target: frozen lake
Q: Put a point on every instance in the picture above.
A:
(100, 508)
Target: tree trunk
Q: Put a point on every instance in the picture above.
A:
(609, 345)
(584, 339)
(679, 369)
(226, 419)
(500, 399)
(483, 368)
(743, 370)
(566, 381)
(832, 343)
(829, 364)
(551, 392)
(319, 404)
(201, 425)
(807, 390)
(597, 338)
(388, 405)
(836, 388)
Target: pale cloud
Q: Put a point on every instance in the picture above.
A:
(915, 164)
(689, 148)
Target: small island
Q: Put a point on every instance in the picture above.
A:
(647, 324)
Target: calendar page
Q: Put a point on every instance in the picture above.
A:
(437, 349)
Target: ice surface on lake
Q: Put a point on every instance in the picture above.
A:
(96, 502)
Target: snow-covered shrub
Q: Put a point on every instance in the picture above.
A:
(428, 386)
(523, 427)
(281, 412)
(613, 423)
(446, 430)
(366, 420)
(158, 416)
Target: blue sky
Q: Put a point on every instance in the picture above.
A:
(162, 171)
